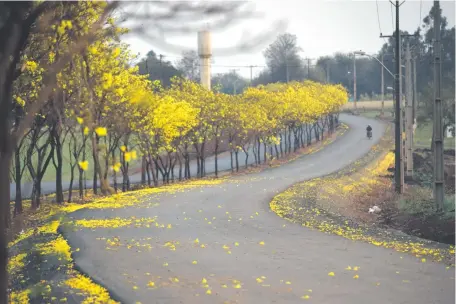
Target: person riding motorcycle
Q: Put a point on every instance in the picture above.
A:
(369, 131)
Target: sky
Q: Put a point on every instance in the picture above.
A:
(322, 27)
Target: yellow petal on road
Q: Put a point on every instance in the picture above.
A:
(355, 276)
(194, 262)
(348, 268)
(331, 274)
(306, 297)
(203, 281)
(165, 264)
(261, 243)
(236, 244)
(208, 292)
(288, 282)
(196, 241)
(356, 268)
(423, 260)
(151, 284)
(237, 286)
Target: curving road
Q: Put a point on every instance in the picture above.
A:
(293, 259)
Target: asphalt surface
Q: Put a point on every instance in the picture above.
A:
(293, 260)
(224, 164)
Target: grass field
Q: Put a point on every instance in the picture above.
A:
(423, 137)
(50, 173)
(368, 105)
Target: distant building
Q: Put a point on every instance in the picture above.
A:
(449, 132)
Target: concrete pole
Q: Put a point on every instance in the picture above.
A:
(354, 82)
(383, 90)
(398, 172)
(409, 112)
(438, 127)
(415, 95)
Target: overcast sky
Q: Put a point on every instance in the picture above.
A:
(322, 27)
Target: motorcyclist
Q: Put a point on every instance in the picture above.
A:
(369, 130)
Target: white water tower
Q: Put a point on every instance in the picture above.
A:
(205, 54)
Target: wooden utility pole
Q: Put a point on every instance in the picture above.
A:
(438, 127)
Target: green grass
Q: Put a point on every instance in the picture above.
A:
(50, 173)
(423, 137)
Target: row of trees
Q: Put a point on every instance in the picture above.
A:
(130, 116)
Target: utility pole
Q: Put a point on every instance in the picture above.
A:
(286, 68)
(327, 72)
(398, 174)
(438, 127)
(354, 82)
(408, 112)
(308, 68)
(161, 68)
(251, 74)
(415, 96)
(383, 90)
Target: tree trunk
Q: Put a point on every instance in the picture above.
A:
(265, 152)
(18, 197)
(259, 151)
(81, 184)
(236, 152)
(58, 170)
(285, 143)
(70, 189)
(280, 144)
(216, 155)
(289, 140)
(231, 160)
(143, 170)
(246, 152)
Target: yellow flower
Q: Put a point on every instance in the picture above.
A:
(116, 167)
(127, 156)
(101, 131)
(423, 260)
(133, 154)
(123, 148)
(80, 120)
(86, 131)
(84, 165)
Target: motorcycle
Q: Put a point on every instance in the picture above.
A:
(369, 134)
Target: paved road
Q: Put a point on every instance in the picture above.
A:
(224, 164)
(291, 253)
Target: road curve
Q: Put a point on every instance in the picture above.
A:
(291, 263)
